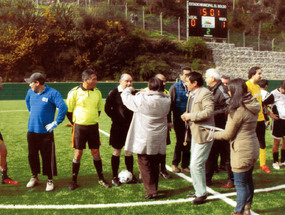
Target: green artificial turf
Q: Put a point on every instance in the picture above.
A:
(13, 126)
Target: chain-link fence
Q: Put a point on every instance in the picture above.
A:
(265, 43)
(173, 27)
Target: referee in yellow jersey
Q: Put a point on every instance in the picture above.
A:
(84, 107)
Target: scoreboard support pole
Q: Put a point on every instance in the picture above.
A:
(187, 21)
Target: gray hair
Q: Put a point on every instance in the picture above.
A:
(123, 76)
(213, 73)
(87, 74)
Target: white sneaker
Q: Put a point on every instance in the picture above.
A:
(50, 186)
(282, 164)
(276, 165)
(33, 182)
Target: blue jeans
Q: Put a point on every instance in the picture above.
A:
(245, 189)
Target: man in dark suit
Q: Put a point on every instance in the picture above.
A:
(121, 119)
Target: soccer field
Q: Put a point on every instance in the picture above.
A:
(91, 198)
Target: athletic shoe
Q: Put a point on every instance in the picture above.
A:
(228, 185)
(73, 185)
(247, 210)
(276, 165)
(33, 182)
(265, 169)
(282, 164)
(116, 182)
(185, 170)
(50, 186)
(134, 180)
(9, 181)
(165, 174)
(104, 183)
(175, 169)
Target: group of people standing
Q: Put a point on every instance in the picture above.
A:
(223, 116)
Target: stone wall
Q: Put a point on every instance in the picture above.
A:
(236, 61)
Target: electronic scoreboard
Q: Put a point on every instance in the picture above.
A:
(207, 19)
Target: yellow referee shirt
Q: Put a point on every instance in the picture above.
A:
(85, 105)
(256, 92)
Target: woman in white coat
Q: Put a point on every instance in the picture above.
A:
(148, 131)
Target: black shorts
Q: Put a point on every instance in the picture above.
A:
(278, 128)
(118, 136)
(1, 138)
(85, 133)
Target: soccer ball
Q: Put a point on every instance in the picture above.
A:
(125, 176)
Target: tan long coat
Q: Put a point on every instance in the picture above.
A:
(240, 129)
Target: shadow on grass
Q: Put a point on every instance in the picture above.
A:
(279, 210)
(173, 192)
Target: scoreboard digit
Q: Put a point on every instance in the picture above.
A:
(207, 19)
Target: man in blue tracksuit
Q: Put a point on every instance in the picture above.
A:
(178, 93)
(42, 102)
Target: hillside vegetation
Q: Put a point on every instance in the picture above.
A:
(63, 39)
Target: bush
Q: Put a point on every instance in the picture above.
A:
(146, 66)
(195, 48)
(165, 45)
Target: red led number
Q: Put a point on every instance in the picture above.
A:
(193, 22)
(212, 12)
(203, 12)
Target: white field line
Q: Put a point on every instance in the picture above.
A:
(134, 204)
(9, 111)
(103, 132)
(215, 195)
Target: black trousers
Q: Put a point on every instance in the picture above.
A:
(260, 133)
(213, 158)
(181, 152)
(149, 168)
(43, 144)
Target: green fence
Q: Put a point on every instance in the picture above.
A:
(17, 91)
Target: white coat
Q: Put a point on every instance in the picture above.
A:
(148, 130)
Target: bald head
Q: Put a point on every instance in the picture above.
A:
(161, 77)
(126, 81)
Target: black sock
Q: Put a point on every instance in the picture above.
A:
(282, 155)
(115, 162)
(99, 168)
(275, 157)
(75, 170)
(162, 163)
(4, 173)
(129, 161)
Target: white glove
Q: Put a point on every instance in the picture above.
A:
(51, 126)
